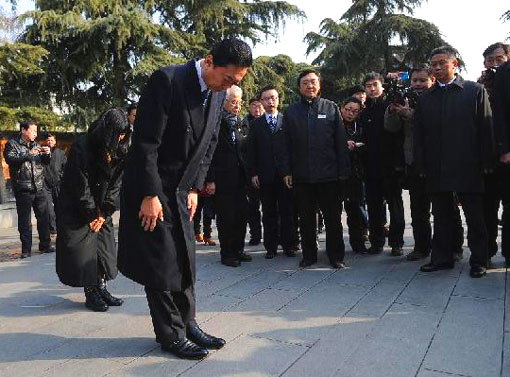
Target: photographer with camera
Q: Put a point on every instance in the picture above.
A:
(401, 117)
(500, 101)
(496, 182)
(384, 166)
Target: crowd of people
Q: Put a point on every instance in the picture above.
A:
(190, 158)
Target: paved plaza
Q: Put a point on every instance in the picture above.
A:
(379, 317)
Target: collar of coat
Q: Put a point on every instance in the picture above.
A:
(459, 81)
(313, 103)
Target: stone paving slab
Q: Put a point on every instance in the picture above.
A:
(378, 317)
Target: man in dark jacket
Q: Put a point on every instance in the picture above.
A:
(227, 179)
(26, 161)
(255, 111)
(174, 139)
(314, 159)
(52, 175)
(454, 148)
(501, 105)
(384, 165)
(276, 198)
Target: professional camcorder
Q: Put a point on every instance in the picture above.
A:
(397, 91)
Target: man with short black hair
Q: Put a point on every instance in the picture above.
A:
(131, 115)
(275, 196)
(26, 160)
(384, 164)
(175, 135)
(53, 173)
(313, 159)
(453, 150)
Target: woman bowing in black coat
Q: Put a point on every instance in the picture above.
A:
(89, 195)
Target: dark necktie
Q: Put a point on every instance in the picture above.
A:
(272, 123)
(205, 95)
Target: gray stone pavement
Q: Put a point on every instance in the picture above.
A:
(379, 317)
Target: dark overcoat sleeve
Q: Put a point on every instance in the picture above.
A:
(150, 126)
(418, 140)
(342, 151)
(283, 148)
(111, 199)
(15, 157)
(251, 156)
(501, 110)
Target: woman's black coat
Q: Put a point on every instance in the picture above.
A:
(88, 186)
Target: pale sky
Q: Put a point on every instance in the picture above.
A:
(469, 26)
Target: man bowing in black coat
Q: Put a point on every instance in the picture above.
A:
(176, 131)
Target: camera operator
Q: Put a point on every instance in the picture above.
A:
(400, 117)
(384, 166)
(500, 101)
(494, 56)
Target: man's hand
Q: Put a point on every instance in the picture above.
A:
(255, 181)
(45, 150)
(210, 187)
(96, 224)
(288, 181)
(351, 144)
(35, 151)
(505, 158)
(192, 203)
(151, 211)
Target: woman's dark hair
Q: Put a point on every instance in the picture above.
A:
(353, 100)
(231, 52)
(103, 134)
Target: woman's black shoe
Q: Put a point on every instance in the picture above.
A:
(108, 298)
(94, 301)
(185, 349)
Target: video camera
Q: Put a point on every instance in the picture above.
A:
(397, 91)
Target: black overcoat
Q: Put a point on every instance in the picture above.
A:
(170, 154)
(86, 187)
(502, 108)
(262, 145)
(454, 139)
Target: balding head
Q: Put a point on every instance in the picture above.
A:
(233, 100)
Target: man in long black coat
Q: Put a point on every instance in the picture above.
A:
(454, 148)
(175, 136)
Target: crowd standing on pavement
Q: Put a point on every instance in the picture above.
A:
(192, 159)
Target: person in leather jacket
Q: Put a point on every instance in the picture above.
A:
(26, 160)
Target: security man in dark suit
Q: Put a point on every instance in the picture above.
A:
(227, 179)
(276, 198)
(174, 139)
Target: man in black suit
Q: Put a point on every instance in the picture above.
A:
(175, 136)
(314, 159)
(275, 196)
(454, 150)
(227, 179)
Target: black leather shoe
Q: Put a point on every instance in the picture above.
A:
(360, 249)
(289, 253)
(396, 251)
(254, 242)
(243, 257)
(417, 255)
(270, 255)
(375, 250)
(197, 335)
(25, 255)
(338, 264)
(50, 249)
(507, 262)
(477, 271)
(185, 349)
(431, 267)
(94, 301)
(306, 263)
(231, 262)
(108, 298)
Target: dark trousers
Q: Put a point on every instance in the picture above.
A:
(420, 212)
(254, 215)
(326, 196)
(497, 186)
(52, 193)
(205, 212)
(25, 201)
(171, 313)
(353, 195)
(379, 189)
(445, 241)
(277, 216)
(231, 218)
